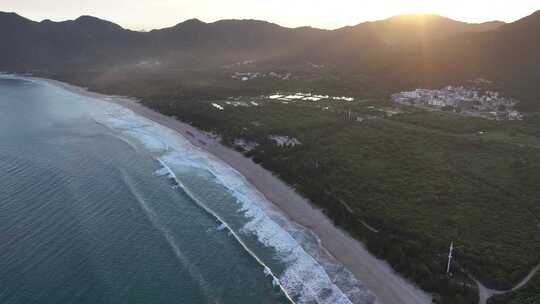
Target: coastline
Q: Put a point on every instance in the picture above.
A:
(388, 286)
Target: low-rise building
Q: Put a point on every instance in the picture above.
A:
(466, 101)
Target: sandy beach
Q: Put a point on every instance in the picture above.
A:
(376, 275)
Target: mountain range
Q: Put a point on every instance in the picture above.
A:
(399, 52)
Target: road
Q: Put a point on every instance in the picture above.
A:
(486, 293)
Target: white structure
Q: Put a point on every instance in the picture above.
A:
(450, 257)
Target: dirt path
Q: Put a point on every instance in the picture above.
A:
(486, 293)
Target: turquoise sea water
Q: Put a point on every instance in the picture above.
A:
(99, 205)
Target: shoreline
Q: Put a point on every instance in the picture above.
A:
(376, 275)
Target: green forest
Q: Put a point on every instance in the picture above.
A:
(419, 179)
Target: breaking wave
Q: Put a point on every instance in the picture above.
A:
(166, 171)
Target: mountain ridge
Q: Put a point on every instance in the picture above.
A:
(196, 20)
(426, 48)
(241, 35)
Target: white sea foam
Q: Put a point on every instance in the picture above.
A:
(305, 278)
(224, 224)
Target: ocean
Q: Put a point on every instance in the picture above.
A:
(101, 205)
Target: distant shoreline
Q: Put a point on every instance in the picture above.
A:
(375, 274)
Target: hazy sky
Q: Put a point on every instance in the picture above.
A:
(149, 14)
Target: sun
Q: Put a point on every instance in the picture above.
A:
(465, 10)
(417, 7)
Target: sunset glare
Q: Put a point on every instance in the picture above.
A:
(150, 14)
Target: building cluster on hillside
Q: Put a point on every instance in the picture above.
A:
(218, 106)
(234, 102)
(149, 63)
(316, 66)
(242, 104)
(308, 97)
(245, 145)
(279, 140)
(462, 100)
(236, 64)
(247, 76)
(284, 141)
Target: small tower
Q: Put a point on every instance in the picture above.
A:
(449, 257)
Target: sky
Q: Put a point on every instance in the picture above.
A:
(152, 14)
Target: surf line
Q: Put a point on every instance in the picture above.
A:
(267, 269)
